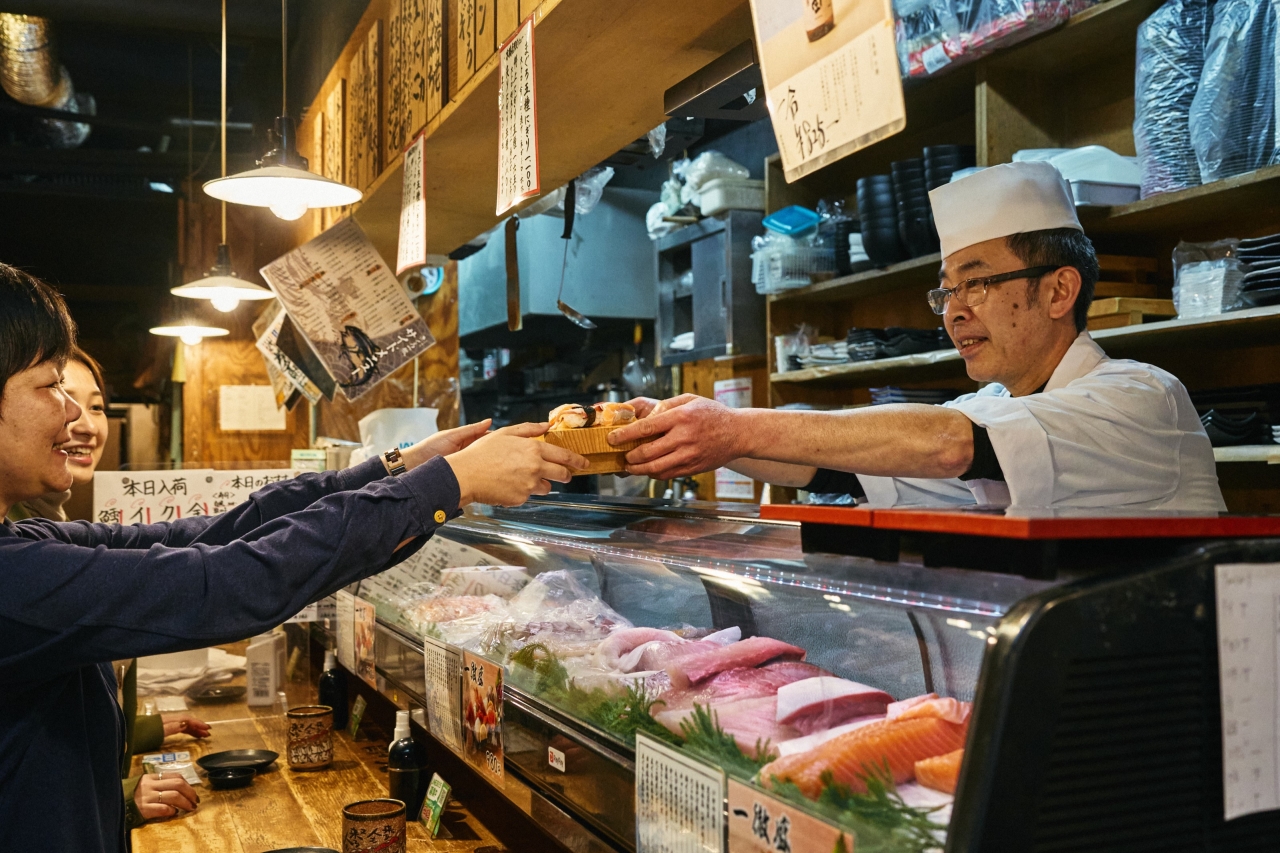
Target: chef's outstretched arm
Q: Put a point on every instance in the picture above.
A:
(785, 447)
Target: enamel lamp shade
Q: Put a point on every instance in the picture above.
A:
(191, 333)
(222, 286)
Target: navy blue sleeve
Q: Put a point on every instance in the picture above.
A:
(68, 605)
(270, 502)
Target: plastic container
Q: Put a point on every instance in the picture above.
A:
(778, 268)
(792, 221)
(1096, 192)
(723, 194)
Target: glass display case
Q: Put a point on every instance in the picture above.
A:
(912, 707)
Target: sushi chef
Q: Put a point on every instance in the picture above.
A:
(1056, 424)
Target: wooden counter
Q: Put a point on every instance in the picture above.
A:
(284, 808)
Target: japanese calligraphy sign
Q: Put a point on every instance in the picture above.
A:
(482, 715)
(831, 79)
(679, 801)
(518, 175)
(464, 44)
(406, 105)
(333, 164)
(443, 670)
(150, 497)
(412, 249)
(349, 307)
(759, 823)
(364, 111)
(435, 57)
(1248, 600)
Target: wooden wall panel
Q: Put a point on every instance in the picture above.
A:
(486, 30)
(508, 19)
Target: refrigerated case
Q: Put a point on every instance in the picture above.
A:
(1095, 720)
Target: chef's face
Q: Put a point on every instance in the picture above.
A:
(35, 421)
(89, 431)
(1008, 336)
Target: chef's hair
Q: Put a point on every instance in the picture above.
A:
(1061, 247)
(35, 325)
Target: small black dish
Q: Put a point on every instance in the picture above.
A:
(254, 759)
(229, 778)
(217, 693)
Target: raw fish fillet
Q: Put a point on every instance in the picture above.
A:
(815, 704)
(616, 651)
(657, 655)
(743, 683)
(808, 742)
(940, 772)
(750, 722)
(853, 756)
(929, 705)
(692, 669)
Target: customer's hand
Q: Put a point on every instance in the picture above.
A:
(444, 443)
(158, 797)
(184, 724)
(507, 466)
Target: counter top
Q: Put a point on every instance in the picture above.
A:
(284, 808)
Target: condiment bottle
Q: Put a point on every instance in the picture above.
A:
(406, 760)
(333, 690)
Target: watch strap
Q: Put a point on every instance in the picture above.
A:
(395, 462)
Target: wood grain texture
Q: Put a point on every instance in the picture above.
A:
(406, 84)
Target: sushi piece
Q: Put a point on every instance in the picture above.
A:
(815, 704)
(850, 758)
(940, 772)
(750, 722)
(754, 651)
(614, 414)
(742, 683)
(572, 416)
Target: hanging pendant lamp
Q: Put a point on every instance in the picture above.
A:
(220, 284)
(282, 181)
(189, 331)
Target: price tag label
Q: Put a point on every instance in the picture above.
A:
(555, 758)
(357, 714)
(433, 805)
(444, 702)
(830, 70)
(482, 733)
(1248, 598)
(518, 174)
(412, 250)
(759, 823)
(679, 801)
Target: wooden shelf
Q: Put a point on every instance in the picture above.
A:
(1268, 453)
(602, 69)
(1240, 327)
(1230, 207)
(921, 271)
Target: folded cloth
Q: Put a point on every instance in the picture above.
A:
(222, 666)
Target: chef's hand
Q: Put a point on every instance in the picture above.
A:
(443, 443)
(184, 724)
(507, 466)
(696, 435)
(158, 797)
(644, 406)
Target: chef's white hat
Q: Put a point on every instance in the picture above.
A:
(1007, 199)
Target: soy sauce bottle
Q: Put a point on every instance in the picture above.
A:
(333, 690)
(406, 761)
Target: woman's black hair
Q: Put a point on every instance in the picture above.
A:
(35, 325)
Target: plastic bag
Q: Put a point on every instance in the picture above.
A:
(1170, 59)
(657, 140)
(590, 188)
(1233, 115)
(556, 610)
(988, 24)
(387, 428)
(1206, 278)
(928, 36)
(708, 166)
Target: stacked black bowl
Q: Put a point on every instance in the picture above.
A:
(941, 160)
(915, 226)
(878, 212)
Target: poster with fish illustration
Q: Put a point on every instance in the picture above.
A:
(350, 308)
(482, 715)
(759, 823)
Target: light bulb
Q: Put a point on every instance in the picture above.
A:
(225, 302)
(289, 209)
(190, 338)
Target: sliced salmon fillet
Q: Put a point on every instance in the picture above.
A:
(851, 757)
(940, 772)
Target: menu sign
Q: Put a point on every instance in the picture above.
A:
(285, 375)
(759, 823)
(412, 249)
(350, 308)
(149, 497)
(831, 79)
(482, 714)
(518, 176)
(679, 801)
(443, 669)
(364, 618)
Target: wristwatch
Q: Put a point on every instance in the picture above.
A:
(395, 462)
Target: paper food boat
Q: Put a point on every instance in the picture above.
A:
(592, 443)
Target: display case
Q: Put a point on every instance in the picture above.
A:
(1069, 713)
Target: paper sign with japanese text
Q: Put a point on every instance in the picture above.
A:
(364, 618)
(518, 171)
(150, 497)
(412, 249)
(344, 629)
(830, 70)
(679, 800)
(443, 671)
(349, 306)
(482, 729)
(759, 823)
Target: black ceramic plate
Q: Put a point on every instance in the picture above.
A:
(258, 759)
(229, 778)
(217, 693)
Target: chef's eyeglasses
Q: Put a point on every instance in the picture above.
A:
(973, 291)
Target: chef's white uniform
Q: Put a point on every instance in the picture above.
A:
(1104, 433)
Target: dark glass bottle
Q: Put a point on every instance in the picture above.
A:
(406, 768)
(333, 690)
